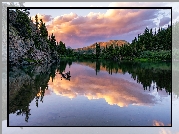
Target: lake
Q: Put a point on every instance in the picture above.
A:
(98, 93)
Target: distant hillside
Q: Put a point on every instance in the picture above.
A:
(91, 48)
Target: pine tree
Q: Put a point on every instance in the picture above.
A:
(62, 48)
(43, 29)
(98, 50)
(52, 43)
(23, 23)
(36, 22)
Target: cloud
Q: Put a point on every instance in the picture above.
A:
(64, 18)
(45, 18)
(164, 21)
(80, 30)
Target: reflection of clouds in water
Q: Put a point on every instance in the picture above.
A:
(48, 92)
(160, 95)
(114, 90)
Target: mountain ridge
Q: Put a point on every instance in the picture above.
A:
(91, 48)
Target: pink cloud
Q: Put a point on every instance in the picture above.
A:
(45, 18)
(80, 30)
(64, 18)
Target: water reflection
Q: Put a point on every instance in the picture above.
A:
(40, 95)
(114, 90)
(88, 78)
(144, 73)
(159, 123)
(25, 84)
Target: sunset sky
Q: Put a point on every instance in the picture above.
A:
(83, 27)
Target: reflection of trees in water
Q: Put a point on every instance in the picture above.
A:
(98, 64)
(66, 75)
(61, 68)
(40, 95)
(36, 83)
(25, 109)
(20, 102)
(33, 87)
(146, 74)
(25, 112)
(62, 65)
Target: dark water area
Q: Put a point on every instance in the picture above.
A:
(94, 93)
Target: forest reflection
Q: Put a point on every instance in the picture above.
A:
(144, 73)
(33, 82)
(116, 91)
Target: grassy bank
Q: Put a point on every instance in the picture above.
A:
(144, 56)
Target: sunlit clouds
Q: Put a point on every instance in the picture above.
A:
(45, 18)
(59, 20)
(79, 31)
(83, 27)
(97, 25)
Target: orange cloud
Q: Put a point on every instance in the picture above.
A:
(64, 18)
(73, 29)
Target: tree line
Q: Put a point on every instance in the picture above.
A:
(149, 45)
(55, 46)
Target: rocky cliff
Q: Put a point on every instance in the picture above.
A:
(22, 49)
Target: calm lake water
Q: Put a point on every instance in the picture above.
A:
(98, 93)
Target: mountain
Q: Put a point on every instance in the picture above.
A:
(91, 48)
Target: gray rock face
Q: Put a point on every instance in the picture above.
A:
(23, 51)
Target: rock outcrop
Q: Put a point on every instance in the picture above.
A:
(23, 50)
(108, 43)
(92, 47)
